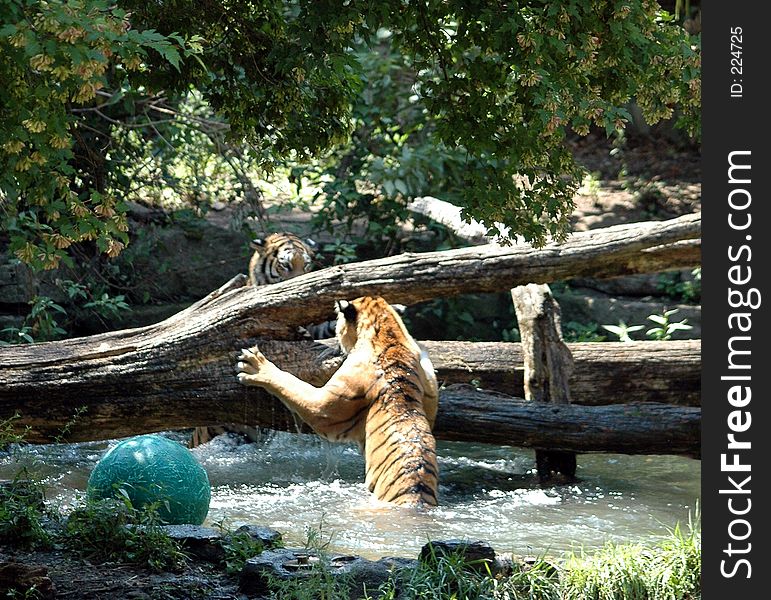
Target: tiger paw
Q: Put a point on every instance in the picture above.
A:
(251, 366)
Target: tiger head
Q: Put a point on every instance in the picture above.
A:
(366, 317)
(278, 257)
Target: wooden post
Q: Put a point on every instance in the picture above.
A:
(548, 366)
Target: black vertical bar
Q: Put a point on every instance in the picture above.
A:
(735, 265)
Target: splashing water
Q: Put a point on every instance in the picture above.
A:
(292, 482)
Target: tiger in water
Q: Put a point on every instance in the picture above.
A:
(384, 397)
(278, 257)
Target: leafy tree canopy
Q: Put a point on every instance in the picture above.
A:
(492, 87)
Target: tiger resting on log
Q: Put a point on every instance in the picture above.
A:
(384, 397)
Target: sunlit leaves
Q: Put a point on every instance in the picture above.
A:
(54, 57)
(490, 91)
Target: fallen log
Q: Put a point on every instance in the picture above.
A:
(637, 428)
(151, 378)
(118, 399)
(605, 373)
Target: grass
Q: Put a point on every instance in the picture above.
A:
(113, 530)
(23, 513)
(239, 546)
(669, 570)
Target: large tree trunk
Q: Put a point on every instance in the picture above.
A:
(606, 373)
(141, 404)
(638, 428)
(181, 372)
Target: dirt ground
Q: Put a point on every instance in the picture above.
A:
(75, 578)
(649, 178)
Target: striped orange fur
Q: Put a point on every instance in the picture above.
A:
(384, 397)
(278, 257)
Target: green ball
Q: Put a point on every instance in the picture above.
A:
(154, 470)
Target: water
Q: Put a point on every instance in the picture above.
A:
(293, 482)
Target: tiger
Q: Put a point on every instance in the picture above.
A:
(278, 257)
(282, 256)
(384, 397)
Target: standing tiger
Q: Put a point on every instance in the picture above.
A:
(278, 257)
(384, 397)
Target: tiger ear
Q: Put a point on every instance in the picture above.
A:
(256, 243)
(347, 309)
(399, 308)
(311, 243)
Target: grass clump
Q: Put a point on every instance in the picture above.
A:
(113, 530)
(23, 513)
(441, 574)
(537, 581)
(612, 573)
(239, 546)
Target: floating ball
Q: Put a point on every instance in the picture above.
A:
(154, 470)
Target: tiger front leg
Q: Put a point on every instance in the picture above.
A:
(321, 408)
(254, 368)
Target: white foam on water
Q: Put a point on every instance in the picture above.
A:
(294, 482)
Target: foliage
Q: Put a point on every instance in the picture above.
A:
(47, 319)
(448, 576)
(112, 529)
(578, 332)
(23, 513)
(680, 289)
(665, 327)
(622, 330)
(539, 580)
(471, 100)
(669, 571)
(239, 546)
(57, 56)
(663, 332)
(473, 106)
(9, 435)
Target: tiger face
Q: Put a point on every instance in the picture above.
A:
(278, 257)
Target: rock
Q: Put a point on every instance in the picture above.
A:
(204, 543)
(360, 574)
(25, 581)
(646, 284)
(478, 555)
(265, 535)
